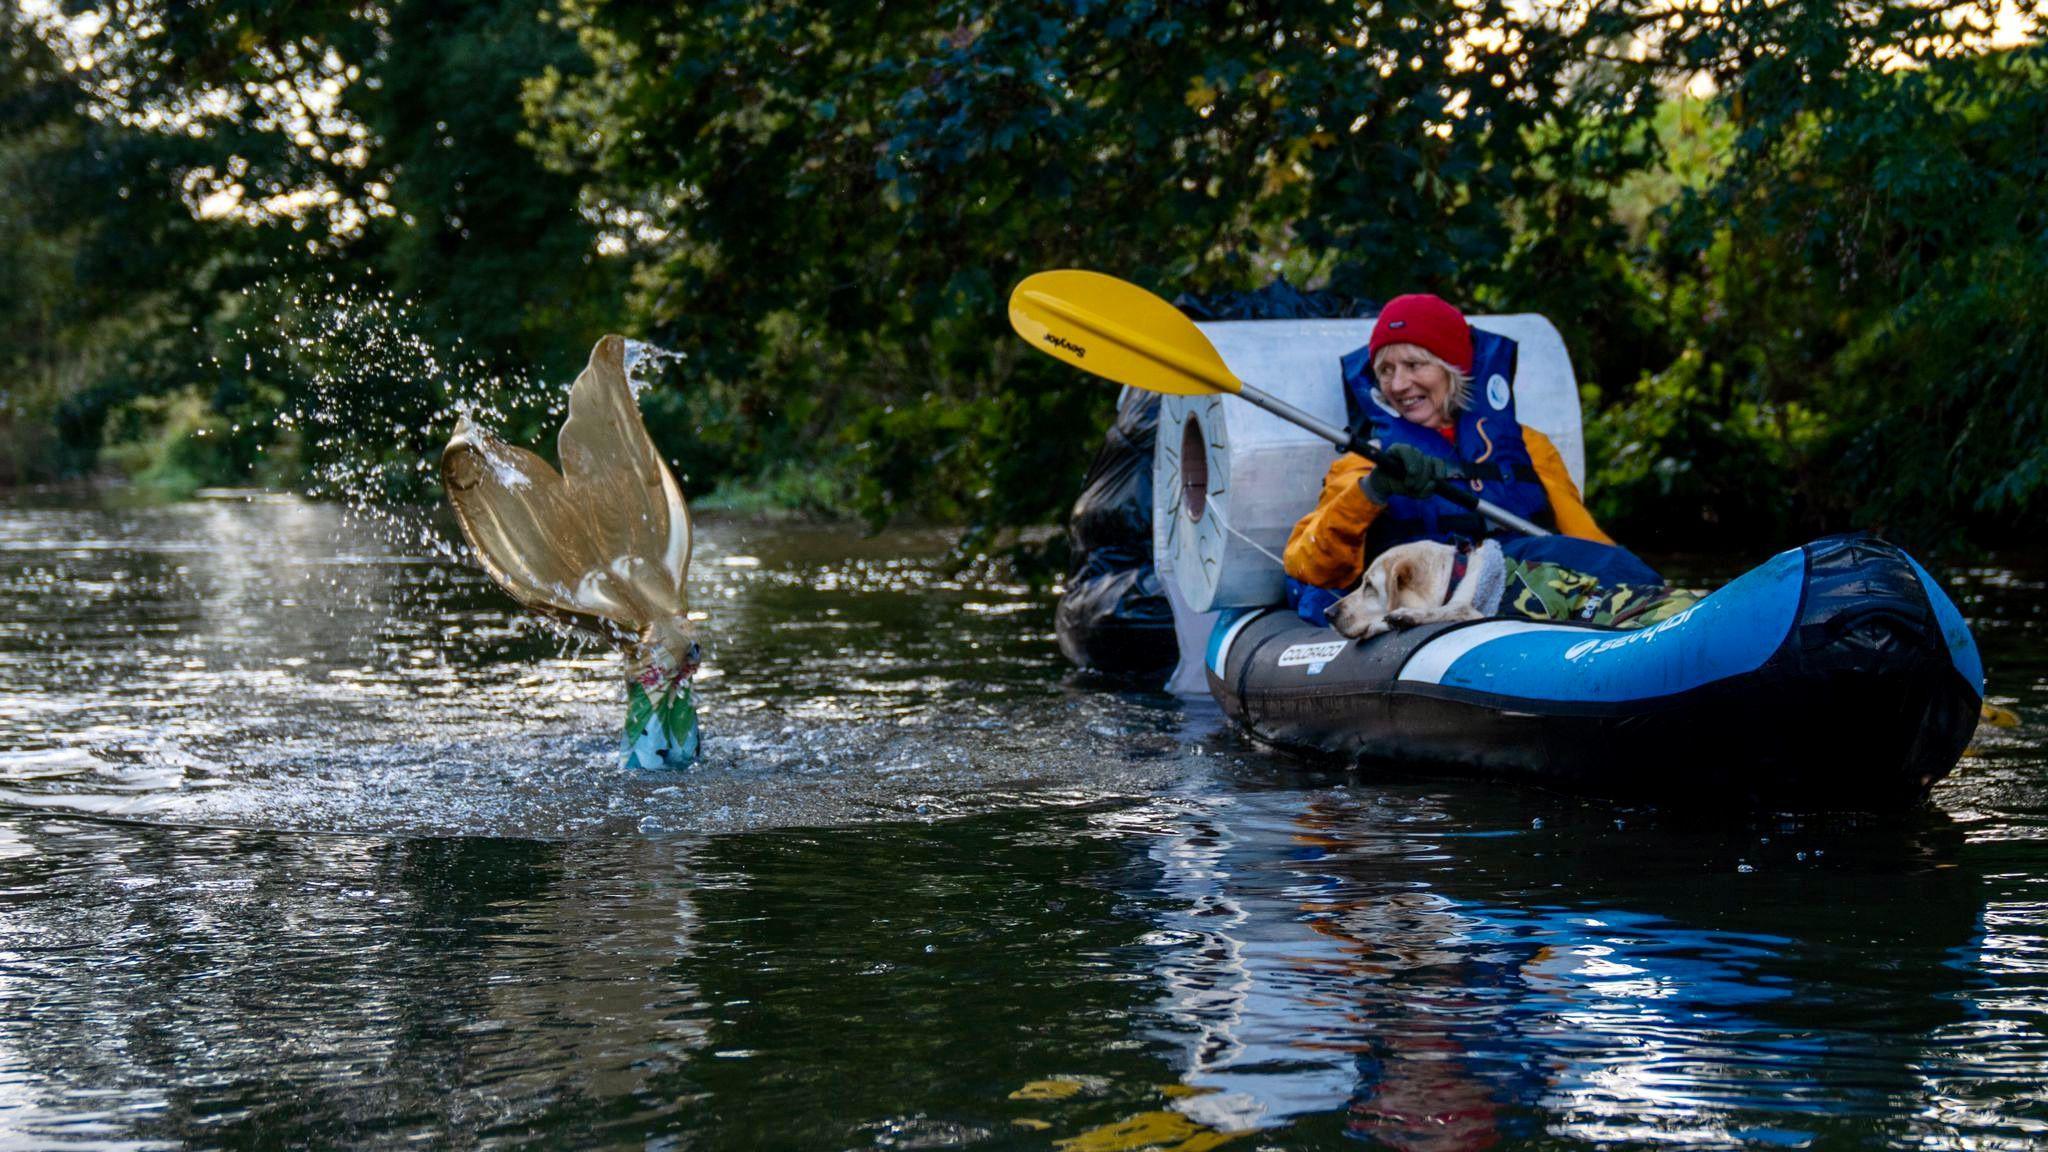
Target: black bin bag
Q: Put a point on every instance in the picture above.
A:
(1113, 617)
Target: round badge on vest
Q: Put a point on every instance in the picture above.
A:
(1497, 392)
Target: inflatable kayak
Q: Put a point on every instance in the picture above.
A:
(1837, 676)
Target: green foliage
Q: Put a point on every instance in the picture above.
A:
(199, 167)
(1855, 282)
(38, 326)
(1950, 402)
(875, 178)
(1687, 460)
(1796, 246)
(169, 444)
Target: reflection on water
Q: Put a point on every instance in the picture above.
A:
(265, 664)
(204, 986)
(1133, 931)
(1438, 985)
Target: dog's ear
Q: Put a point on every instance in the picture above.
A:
(1380, 586)
(1407, 577)
(1362, 606)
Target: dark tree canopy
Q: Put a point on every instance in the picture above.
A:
(1794, 245)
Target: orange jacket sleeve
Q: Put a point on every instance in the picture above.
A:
(1327, 546)
(1567, 507)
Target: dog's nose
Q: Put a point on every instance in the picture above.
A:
(695, 654)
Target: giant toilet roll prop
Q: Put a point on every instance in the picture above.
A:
(1230, 480)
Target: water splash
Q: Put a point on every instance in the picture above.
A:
(282, 670)
(373, 398)
(378, 399)
(643, 360)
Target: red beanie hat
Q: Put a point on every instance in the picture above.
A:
(1427, 322)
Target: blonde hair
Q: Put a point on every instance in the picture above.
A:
(1461, 380)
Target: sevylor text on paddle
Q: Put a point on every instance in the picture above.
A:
(1116, 330)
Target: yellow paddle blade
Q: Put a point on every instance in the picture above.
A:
(1117, 331)
(1998, 717)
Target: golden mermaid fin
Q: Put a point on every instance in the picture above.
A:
(606, 543)
(515, 512)
(638, 521)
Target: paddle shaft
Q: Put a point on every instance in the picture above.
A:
(1154, 346)
(1448, 489)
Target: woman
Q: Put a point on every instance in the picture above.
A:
(1423, 414)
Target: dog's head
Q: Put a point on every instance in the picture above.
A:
(1410, 576)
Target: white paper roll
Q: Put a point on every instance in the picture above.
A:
(1234, 480)
(1230, 480)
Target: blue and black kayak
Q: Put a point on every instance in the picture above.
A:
(1837, 676)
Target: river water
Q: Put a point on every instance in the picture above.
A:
(310, 840)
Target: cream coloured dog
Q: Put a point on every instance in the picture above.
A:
(1421, 583)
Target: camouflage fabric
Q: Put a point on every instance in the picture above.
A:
(1554, 592)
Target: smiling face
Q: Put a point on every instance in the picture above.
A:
(1415, 384)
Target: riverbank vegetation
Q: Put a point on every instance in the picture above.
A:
(1797, 247)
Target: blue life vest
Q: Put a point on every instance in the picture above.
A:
(1310, 601)
(1489, 451)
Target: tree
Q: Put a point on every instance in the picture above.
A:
(233, 172)
(1873, 224)
(828, 204)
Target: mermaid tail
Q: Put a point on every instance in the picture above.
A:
(605, 544)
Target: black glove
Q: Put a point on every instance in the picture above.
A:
(1404, 470)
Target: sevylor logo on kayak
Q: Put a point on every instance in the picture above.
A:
(1079, 352)
(1595, 647)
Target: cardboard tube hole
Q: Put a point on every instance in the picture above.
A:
(1194, 470)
